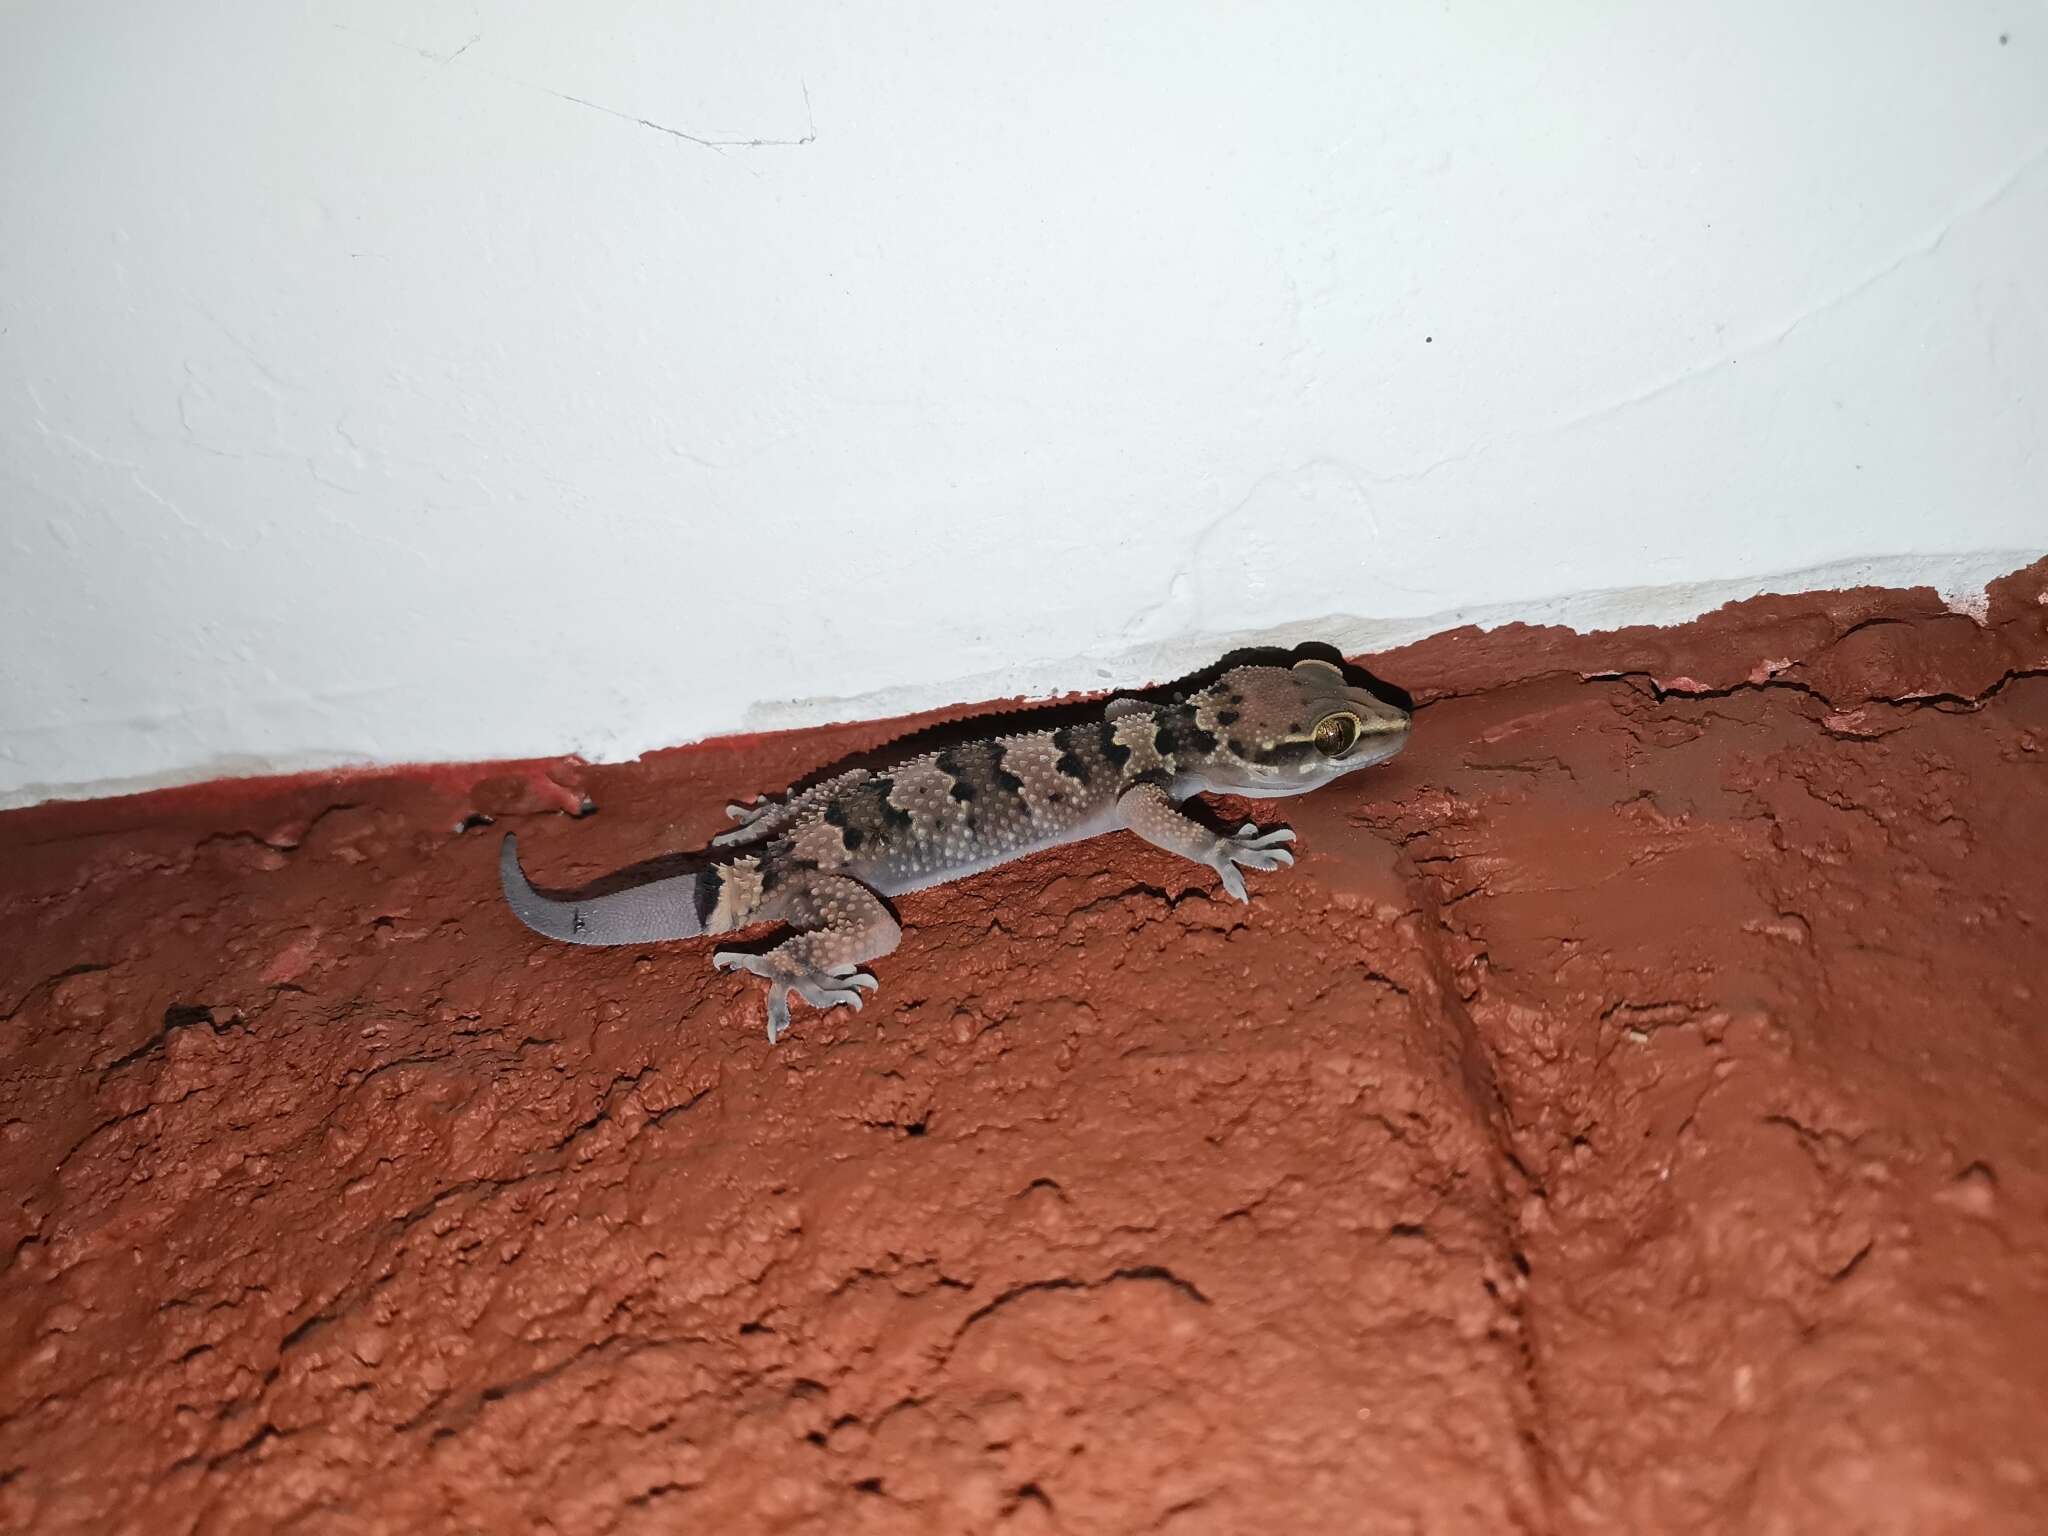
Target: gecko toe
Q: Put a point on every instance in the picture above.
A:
(809, 987)
(1251, 837)
(778, 1014)
(750, 822)
(821, 996)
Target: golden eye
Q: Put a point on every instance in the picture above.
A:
(1336, 734)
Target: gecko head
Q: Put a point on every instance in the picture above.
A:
(1287, 730)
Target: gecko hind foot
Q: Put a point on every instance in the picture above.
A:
(744, 818)
(1254, 850)
(830, 988)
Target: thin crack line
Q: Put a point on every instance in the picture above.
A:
(714, 145)
(717, 146)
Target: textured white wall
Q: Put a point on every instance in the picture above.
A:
(392, 380)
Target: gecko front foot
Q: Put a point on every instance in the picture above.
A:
(1254, 850)
(820, 988)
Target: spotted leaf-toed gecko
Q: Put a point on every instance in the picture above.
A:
(821, 860)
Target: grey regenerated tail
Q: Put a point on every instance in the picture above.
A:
(645, 914)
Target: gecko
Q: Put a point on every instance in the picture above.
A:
(822, 860)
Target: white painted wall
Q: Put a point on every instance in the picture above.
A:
(412, 379)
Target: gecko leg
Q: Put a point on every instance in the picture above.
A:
(1150, 812)
(762, 817)
(751, 822)
(839, 923)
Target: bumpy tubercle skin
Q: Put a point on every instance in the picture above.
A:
(822, 859)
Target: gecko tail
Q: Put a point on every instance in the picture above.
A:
(640, 914)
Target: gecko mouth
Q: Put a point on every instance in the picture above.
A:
(1379, 741)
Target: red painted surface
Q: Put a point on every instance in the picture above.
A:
(1629, 1115)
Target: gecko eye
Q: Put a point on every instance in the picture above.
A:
(1336, 734)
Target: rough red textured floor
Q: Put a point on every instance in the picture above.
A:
(1631, 1114)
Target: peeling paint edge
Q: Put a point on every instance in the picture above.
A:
(1959, 579)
